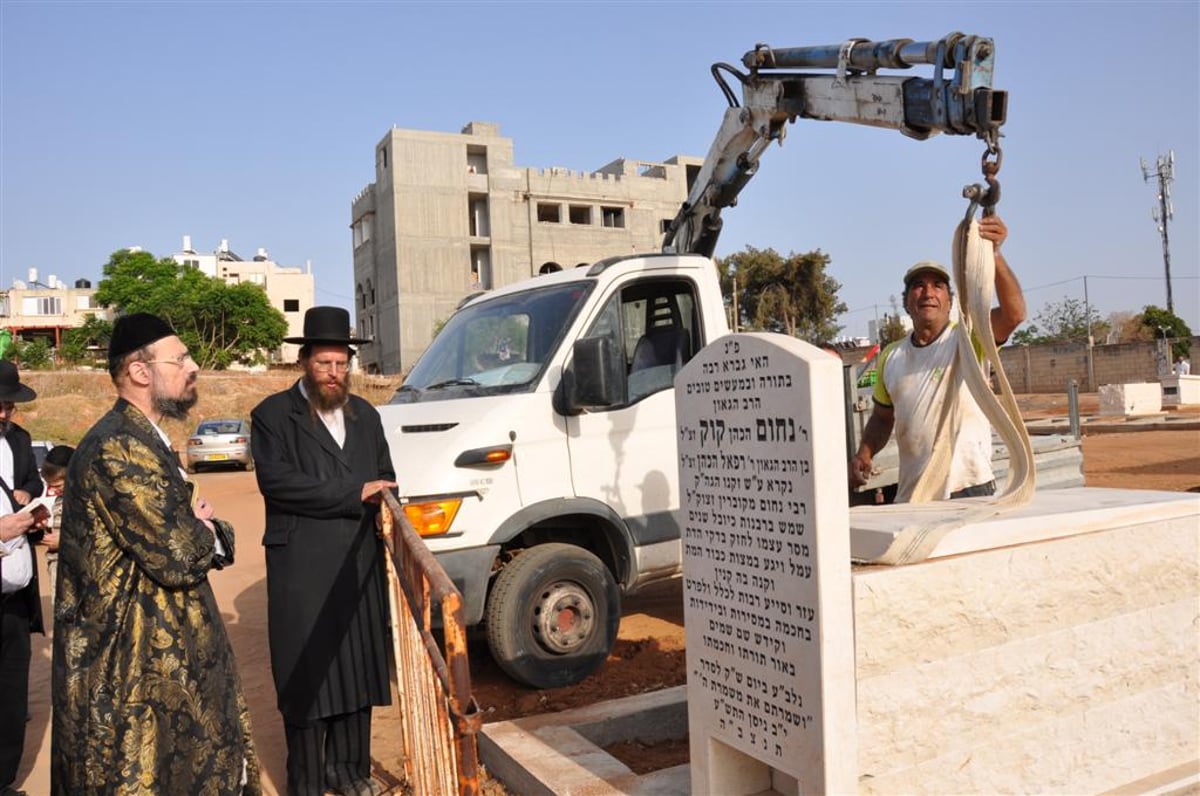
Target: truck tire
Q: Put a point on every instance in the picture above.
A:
(552, 615)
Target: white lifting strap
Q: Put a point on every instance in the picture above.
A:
(974, 274)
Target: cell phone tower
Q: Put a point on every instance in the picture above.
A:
(1164, 172)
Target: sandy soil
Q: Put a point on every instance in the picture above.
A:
(649, 654)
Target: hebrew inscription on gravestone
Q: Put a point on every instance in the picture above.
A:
(770, 640)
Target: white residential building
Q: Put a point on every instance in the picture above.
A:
(290, 290)
(31, 308)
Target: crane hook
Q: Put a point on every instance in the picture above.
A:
(987, 195)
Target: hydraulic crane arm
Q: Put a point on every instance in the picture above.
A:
(957, 100)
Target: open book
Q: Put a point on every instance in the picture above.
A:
(44, 502)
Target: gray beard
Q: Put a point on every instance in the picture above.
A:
(174, 408)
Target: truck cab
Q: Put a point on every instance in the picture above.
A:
(534, 444)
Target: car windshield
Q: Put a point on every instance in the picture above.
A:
(219, 427)
(495, 346)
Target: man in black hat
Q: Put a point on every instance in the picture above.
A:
(20, 597)
(322, 464)
(145, 688)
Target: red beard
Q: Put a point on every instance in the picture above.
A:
(326, 395)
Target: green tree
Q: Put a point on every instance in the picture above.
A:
(79, 344)
(1066, 321)
(1165, 324)
(35, 354)
(792, 295)
(221, 324)
(892, 328)
(1126, 327)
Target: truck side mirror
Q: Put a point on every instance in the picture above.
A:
(596, 376)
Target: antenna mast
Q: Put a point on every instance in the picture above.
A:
(1164, 172)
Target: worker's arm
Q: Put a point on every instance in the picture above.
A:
(874, 437)
(1009, 312)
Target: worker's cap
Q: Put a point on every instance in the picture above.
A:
(925, 266)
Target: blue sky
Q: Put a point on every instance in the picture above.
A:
(135, 123)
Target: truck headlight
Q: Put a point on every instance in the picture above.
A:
(434, 517)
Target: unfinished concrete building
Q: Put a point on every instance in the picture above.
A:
(451, 213)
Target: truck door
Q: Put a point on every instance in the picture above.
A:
(624, 455)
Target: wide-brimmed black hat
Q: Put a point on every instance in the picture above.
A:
(131, 332)
(11, 388)
(326, 326)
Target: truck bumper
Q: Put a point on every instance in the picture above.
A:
(470, 570)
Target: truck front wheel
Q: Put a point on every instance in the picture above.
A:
(552, 615)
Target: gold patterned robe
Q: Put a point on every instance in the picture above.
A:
(146, 693)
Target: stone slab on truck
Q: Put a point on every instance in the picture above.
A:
(535, 440)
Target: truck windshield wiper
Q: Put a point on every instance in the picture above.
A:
(464, 382)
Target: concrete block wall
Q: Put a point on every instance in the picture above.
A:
(1050, 367)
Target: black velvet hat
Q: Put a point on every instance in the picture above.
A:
(59, 455)
(326, 326)
(131, 332)
(11, 388)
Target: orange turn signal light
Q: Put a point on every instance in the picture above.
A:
(433, 518)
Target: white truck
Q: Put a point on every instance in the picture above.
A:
(534, 440)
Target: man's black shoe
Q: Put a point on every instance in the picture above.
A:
(359, 787)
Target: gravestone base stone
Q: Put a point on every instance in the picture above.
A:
(1050, 649)
(1130, 400)
(1181, 391)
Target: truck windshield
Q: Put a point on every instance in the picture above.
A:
(495, 345)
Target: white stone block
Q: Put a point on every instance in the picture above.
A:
(1128, 400)
(1065, 664)
(1181, 391)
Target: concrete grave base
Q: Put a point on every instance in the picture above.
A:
(1127, 400)
(562, 753)
(1061, 655)
(1065, 663)
(1181, 391)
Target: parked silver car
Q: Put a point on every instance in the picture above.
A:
(220, 442)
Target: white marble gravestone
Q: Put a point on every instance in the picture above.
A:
(766, 562)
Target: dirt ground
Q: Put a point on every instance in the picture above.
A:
(649, 654)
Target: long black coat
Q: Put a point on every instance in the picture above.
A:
(326, 599)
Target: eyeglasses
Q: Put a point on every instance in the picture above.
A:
(180, 360)
(325, 367)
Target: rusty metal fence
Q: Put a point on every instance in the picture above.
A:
(439, 719)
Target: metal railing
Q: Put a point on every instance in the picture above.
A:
(439, 719)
